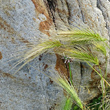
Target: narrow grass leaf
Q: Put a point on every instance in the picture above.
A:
(70, 90)
(68, 104)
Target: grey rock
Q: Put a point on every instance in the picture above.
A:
(25, 22)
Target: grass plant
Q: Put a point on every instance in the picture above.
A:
(80, 45)
(70, 91)
(68, 104)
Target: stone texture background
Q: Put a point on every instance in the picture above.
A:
(24, 22)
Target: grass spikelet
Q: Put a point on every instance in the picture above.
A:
(36, 51)
(70, 90)
(41, 48)
(101, 48)
(78, 55)
(68, 40)
(80, 36)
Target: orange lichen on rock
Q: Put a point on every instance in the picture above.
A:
(44, 25)
(5, 26)
(61, 67)
(24, 40)
(41, 9)
(8, 75)
(45, 67)
(0, 55)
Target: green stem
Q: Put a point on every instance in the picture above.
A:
(99, 74)
(70, 74)
(102, 85)
(106, 68)
(105, 74)
(101, 80)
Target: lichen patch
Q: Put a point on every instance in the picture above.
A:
(0, 55)
(60, 66)
(8, 75)
(5, 26)
(45, 25)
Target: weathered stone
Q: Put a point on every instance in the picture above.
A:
(26, 22)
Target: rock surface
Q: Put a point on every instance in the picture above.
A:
(24, 22)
